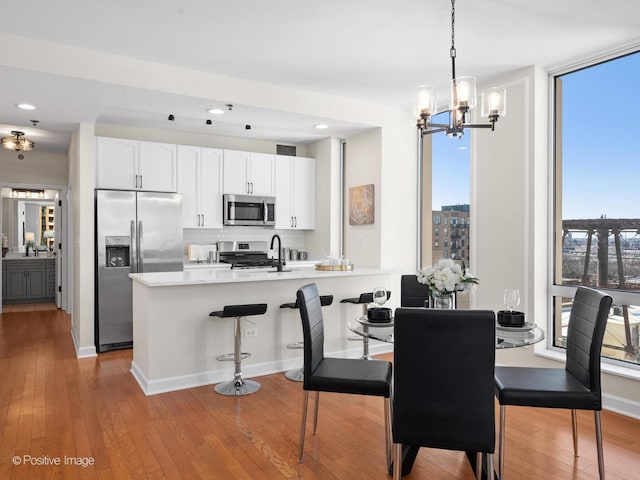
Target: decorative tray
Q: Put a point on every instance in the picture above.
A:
(334, 268)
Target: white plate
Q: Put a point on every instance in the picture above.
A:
(525, 328)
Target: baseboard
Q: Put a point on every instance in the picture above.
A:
(82, 352)
(211, 377)
(621, 405)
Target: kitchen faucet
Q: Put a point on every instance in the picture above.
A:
(279, 265)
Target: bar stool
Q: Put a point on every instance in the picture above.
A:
(297, 374)
(238, 386)
(364, 299)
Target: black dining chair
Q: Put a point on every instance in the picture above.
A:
(443, 383)
(412, 292)
(575, 387)
(340, 375)
(416, 294)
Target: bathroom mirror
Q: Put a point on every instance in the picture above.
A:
(23, 219)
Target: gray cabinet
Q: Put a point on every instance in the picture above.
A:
(26, 281)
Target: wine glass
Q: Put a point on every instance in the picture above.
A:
(379, 296)
(511, 298)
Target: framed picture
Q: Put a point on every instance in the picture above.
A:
(361, 205)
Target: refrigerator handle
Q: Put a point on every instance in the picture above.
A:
(133, 251)
(140, 249)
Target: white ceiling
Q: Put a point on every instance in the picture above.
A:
(373, 50)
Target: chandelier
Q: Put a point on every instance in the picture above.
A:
(463, 99)
(17, 142)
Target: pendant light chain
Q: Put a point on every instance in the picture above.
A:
(452, 52)
(453, 24)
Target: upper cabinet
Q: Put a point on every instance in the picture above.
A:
(248, 173)
(295, 193)
(133, 165)
(200, 183)
(202, 175)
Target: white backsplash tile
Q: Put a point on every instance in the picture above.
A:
(293, 239)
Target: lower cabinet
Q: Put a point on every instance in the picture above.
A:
(25, 281)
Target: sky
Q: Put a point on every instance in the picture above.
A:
(450, 169)
(601, 145)
(601, 131)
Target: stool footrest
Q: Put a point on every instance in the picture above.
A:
(230, 357)
(295, 345)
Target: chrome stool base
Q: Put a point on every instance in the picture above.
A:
(237, 387)
(295, 375)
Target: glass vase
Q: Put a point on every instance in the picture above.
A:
(442, 301)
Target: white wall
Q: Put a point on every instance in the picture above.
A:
(325, 238)
(363, 160)
(510, 192)
(37, 168)
(82, 184)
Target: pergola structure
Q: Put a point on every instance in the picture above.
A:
(603, 228)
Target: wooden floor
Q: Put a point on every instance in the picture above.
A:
(54, 407)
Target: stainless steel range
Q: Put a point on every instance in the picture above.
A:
(245, 254)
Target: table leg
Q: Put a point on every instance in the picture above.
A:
(365, 343)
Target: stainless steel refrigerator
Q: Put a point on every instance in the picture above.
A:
(136, 232)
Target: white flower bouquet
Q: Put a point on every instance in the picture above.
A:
(445, 278)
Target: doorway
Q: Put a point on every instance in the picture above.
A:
(33, 220)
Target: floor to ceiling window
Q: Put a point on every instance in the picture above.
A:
(596, 211)
(450, 219)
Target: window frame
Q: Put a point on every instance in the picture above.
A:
(555, 290)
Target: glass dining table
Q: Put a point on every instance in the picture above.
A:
(506, 337)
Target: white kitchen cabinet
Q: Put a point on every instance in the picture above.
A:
(248, 173)
(116, 163)
(295, 193)
(200, 183)
(133, 165)
(157, 167)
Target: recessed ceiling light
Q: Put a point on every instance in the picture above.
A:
(25, 106)
(321, 126)
(215, 111)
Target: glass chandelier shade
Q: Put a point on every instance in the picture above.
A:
(494, 102)
(425, 101)
(463, 93)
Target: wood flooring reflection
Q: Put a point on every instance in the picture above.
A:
(91, 412)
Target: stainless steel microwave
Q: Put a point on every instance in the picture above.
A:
(249, 210)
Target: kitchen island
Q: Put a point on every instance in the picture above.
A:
(176, 342)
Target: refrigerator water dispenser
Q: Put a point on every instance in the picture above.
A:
(118, 254)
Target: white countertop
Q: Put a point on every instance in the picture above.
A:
(21, 256)
(201, 276)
